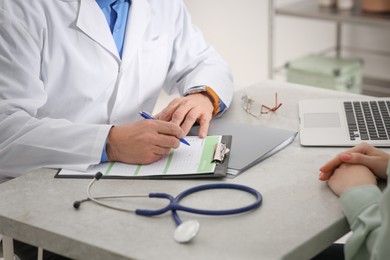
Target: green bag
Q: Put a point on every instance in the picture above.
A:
(327, 72)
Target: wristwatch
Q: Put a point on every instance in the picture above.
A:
(208, 92)
(197, 89)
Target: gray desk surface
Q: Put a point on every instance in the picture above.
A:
(299, 217)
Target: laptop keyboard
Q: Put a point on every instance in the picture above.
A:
(368, 120)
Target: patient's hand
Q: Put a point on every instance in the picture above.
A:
(362, 154)
(348, 176)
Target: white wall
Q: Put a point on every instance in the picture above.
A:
(238, 29)
(296, 37)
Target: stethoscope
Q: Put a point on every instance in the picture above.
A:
(187, 230)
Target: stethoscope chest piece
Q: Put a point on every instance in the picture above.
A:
(186, 231)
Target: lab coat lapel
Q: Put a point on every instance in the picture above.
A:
(140, 15)
(92, 22)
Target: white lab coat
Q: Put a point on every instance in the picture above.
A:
(63, 84)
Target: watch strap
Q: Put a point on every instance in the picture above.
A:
(210, 93)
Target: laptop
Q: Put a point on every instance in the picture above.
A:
(337, 122)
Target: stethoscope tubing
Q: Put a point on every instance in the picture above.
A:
(174, 202)
(247, 189)
(174, 205)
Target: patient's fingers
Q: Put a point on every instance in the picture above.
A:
(327, 170)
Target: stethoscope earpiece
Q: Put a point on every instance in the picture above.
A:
(76, 204)
(98, 175)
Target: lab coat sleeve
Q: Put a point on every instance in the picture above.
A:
(194, 62)
(368, 213)
(27, 142)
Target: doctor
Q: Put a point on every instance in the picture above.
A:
(75, 74)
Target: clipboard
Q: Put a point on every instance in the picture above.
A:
(212, 155)
(251, 143)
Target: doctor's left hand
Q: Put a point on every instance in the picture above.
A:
(185, 111)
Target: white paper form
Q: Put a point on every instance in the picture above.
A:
(193, 159)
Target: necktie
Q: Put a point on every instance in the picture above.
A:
(116, 13)
(113, 14)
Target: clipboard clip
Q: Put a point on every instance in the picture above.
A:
(220, 150)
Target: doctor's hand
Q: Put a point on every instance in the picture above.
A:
(362, 154)
(142, 142)
(185, 111)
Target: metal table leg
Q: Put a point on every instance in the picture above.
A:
(40, 253)
(8, 248)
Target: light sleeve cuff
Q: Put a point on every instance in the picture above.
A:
(356, 200)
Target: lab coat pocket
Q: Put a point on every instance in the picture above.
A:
(153, 59)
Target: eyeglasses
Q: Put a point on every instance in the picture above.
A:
(256, 109)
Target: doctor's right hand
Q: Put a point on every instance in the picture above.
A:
(142, 142)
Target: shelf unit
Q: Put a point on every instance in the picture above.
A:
(311, 10)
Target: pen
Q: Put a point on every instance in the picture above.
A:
(147, 116)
